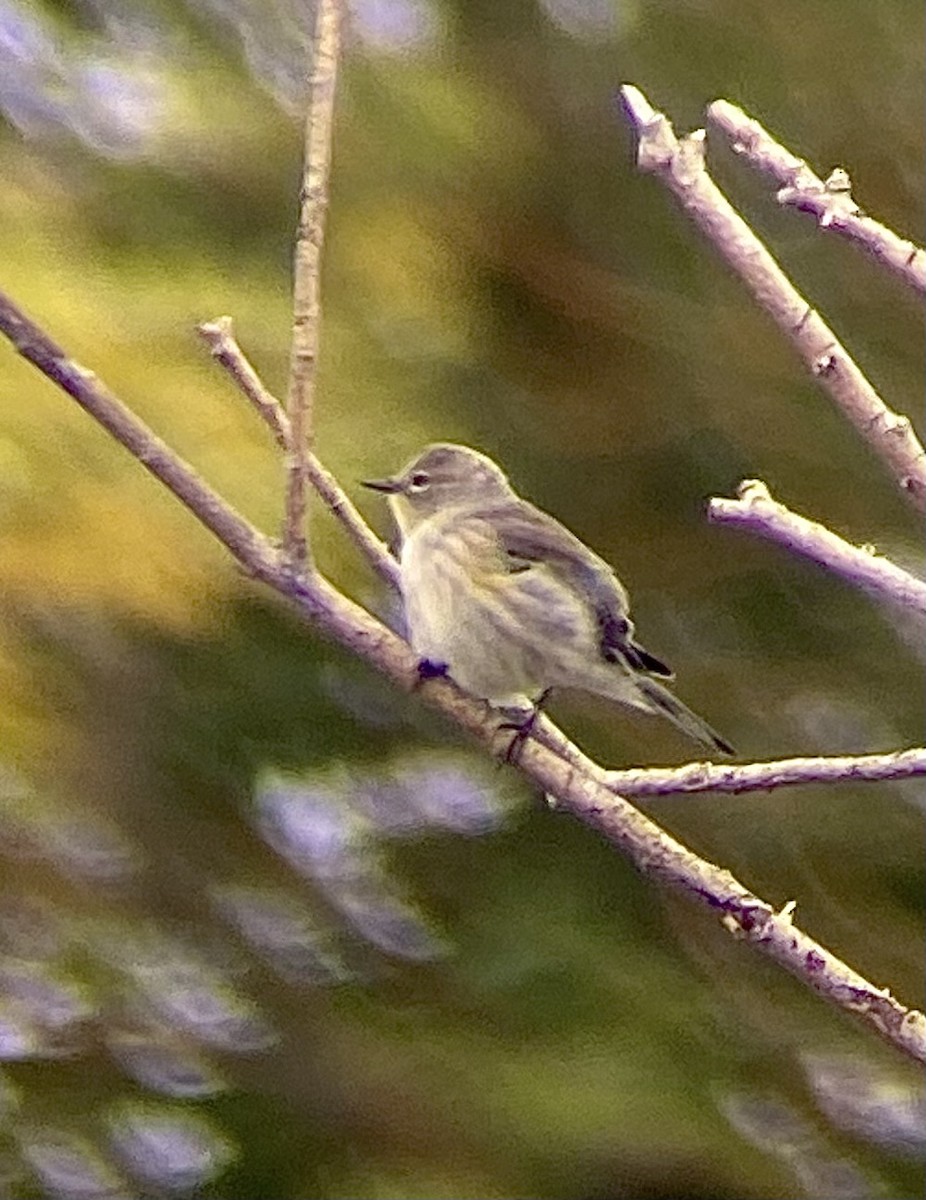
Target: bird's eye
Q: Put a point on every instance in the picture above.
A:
(419, 481)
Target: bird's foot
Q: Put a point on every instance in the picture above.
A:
(429, 669)
(523, 727)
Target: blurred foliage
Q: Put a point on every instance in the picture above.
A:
(267, 929)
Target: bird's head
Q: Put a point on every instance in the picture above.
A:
(443, 476)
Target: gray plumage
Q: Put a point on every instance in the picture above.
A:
(510, 600)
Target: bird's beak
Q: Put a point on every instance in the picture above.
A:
(390, 486)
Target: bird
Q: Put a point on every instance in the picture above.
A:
(507, 601)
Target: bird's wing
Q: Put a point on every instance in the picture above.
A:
(529, 537)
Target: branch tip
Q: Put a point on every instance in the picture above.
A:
(219, 336)
(741, 778)
(636, 105)
(756, 510)
(681, 167)
(830, 201)
(214, 331)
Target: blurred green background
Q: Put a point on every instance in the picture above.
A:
(269, 929)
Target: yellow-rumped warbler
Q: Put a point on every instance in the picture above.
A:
(508, 601)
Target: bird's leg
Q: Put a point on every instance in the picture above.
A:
(525, 727)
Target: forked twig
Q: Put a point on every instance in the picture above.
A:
(680, 165)
(734, 777)
(219, 334)
(830, 201)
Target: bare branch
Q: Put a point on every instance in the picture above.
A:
(763, 776)
(659, 856)
(219, 336)
(363, 537)
(582, 792)
(245, 542)
(735, 777)
(680, 165)
(754, 509)
(830, 201)
(307, 271)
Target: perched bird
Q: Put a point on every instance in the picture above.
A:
(511, 604)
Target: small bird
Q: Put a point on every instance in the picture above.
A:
(506, 600)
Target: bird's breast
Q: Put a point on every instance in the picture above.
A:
(500, 633)
(447, 569)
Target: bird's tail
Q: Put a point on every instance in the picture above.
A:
(660, 699)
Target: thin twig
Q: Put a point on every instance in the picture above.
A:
(830, 201)
(581, 792)
(762, 776)
(228, 353)
(755, 509)
(306, 274)
(680, 165)
(373, 548)
(219, 336)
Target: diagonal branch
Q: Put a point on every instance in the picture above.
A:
(680, 165)
(219, 336)
(581, 790)
(340, 504)
(246, 543)
(830, 201)
(313, 206)
(754, 509)
(763, 776)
